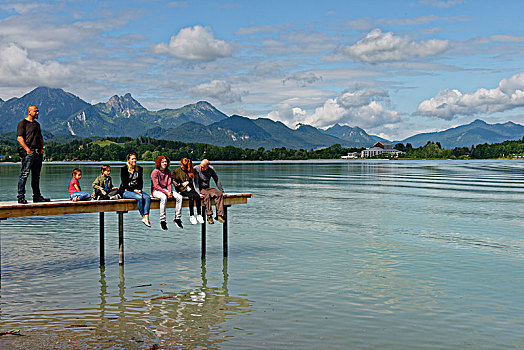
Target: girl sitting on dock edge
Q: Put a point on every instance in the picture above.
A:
(162, 188)
(131, 186)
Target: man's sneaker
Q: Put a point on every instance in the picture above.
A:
(221, 219)
(22, 200)
(200, 219)
(210, 219)
(193, 220)
(163, 225)
(40, 199)
(178, 222)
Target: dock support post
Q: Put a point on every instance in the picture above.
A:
(203, 234)
(1, 254)
(121, 236)
(102, 250)
(224, 233)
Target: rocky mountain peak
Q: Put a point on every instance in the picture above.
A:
(204, 104)
(478, 122)
(124, 103)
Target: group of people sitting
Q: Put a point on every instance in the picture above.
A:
(185, 181)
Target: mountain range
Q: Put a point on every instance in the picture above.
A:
(474, 133)
(64, 116)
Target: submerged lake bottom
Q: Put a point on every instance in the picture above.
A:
(327, 254)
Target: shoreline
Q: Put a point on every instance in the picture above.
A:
(278, 160)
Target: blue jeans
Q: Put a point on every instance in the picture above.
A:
(82, 196)
(143, 201)
(31, 163)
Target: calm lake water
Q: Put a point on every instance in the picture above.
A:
(327, 255)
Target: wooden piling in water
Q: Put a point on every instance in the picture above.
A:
(203, 235)
(121, 237)
(224, 232)
(102, 250)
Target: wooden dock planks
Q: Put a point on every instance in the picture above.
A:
(66, 206)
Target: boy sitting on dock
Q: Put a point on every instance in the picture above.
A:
(103, 185)
(75, 193)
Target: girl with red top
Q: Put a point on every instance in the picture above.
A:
(162, 188)
(75, 193)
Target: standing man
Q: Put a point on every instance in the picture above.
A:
(31, 149)
(203, 174)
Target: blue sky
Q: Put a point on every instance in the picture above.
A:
(394, 68)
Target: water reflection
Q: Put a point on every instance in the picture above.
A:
(141, 316)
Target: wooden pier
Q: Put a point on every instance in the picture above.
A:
(121, 206)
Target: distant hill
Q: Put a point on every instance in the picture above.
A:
(244, 132)
(64, 113)
(477, 132)
(55, 105)
(356, 135)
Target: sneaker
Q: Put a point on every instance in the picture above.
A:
(200, 219)
(147, 223)
(193, 220)
(210, 219)
(22, 200)
(178, 222)
(40, 199)
(221, 219)
(163, 225)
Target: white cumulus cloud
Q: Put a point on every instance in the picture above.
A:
(448, 104)
(195, 43)
(287, 114)
(17, 69)
(219, 90)
(363, 108)
(383, 47)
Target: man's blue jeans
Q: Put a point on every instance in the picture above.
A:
(31, 163)
(143, 201)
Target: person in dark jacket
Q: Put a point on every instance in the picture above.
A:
(183, 180)
(203, 175)
(131, 186)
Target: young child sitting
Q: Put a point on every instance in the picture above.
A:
(103, 185)
(75, 193)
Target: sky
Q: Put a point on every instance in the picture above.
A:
(393, 68)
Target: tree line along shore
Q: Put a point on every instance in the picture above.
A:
(147, 149)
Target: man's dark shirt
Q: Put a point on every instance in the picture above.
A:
(202, 178)
(31, 133)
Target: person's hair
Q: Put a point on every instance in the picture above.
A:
(129, 156)
(31, 107)
(104, 168)
(159, 160)
(77, 171)
(188, 164)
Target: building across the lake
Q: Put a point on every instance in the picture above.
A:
(379, 148)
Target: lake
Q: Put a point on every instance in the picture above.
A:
(327, 255)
